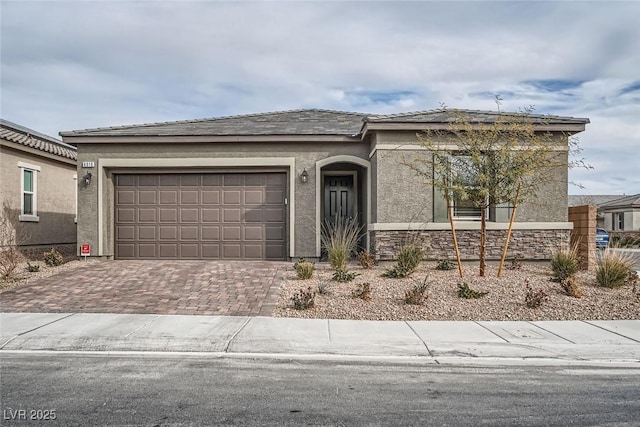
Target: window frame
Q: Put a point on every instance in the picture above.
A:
(618, 221)
(453, 200)
(33, 216)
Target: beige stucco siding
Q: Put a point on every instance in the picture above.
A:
(55, 196)
(304, 155)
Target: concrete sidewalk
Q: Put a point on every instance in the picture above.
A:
(428, 341)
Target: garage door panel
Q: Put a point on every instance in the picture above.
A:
(124, 215)
(189, 215)
(169, 232)
(168, 215)
(147, 215)
(168, 197)
(147, 233)
(200, 216)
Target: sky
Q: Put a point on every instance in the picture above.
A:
(68, 65)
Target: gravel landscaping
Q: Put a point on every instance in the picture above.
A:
(505, 299)
(24, 277)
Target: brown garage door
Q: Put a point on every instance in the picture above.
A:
(200, 216)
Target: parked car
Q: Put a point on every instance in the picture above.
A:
(602, 238)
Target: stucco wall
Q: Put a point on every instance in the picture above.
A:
(403, 197)
(306, 155)
(56, 192)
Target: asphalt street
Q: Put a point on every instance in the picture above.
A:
(181, 389)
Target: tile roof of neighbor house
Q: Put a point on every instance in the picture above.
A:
(30, 138)
(623, 202)
(298, 122)
(592, 199)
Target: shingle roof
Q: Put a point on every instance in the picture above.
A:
(473, 116)
(30, 138)
(293, 122)
(592, 199)
(299, 122)
(626, 201)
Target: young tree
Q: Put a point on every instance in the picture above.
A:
(479, 165)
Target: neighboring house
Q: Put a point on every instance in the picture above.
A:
(259, 186)
(38, 184)
(621, 214)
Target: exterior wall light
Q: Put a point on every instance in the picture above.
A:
(87, 178)
(304, 177)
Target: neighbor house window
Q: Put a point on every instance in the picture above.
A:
(618, 221)
(464, 209)
(29, 192)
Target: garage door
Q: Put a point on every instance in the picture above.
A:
(200, 216)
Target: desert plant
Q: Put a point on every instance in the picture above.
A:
(613, 268)
(339, 238)
(534, 299)
(464, 291)
(362, 291)
(52, 258)
(12, 235)
(564, 263)
(304, 269)
(417, 295)
(10, 258)
(366, 259)
(571, 287)
(32, 268)
(408, 260)
(343, 276)
(323, 288)
(445, 264)
(516, 262)
(303, 299)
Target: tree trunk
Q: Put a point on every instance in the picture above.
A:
(483, 239)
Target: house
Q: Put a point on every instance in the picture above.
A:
(38, 187)
(621, 214)
(259, 186)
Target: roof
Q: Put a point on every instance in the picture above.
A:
(449, 115)
(293, 122)
(591, 199)
(29, 138)
(302, 122)
(623, 202)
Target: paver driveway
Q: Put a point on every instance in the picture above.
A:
(234, 288)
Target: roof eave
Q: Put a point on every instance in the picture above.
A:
(74, 139)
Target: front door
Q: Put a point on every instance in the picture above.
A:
(339, 200)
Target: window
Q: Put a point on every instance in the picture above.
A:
(464, 209)
(618, 221)
(28, 192)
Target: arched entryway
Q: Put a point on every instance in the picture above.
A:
(344, 188)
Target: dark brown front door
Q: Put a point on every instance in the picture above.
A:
(200, 216)
(338, 197)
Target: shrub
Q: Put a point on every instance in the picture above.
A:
(344, 276)
(613, 268)
(417, 295)
(10, 258)
(52, 258)
(534, 299)
(445, 264)
(564, 263)
(323, 288)
(516, 262)
(571, 287)
(304, 269)
(408, 261)
(32, 268)
(339, 238)
(366, 259)
(363, 291)
(464, 291)
(303, 299)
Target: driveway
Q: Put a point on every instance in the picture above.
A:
(232, 288)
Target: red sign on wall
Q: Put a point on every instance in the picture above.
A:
(85, 249)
